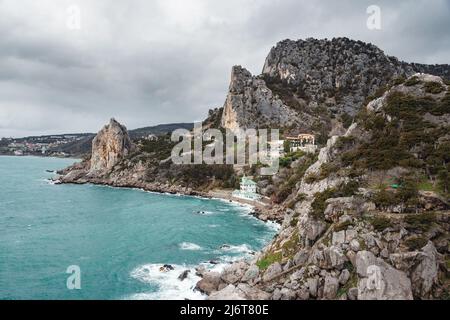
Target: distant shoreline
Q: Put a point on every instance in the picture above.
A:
(40, 156)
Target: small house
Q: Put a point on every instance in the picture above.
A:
(248, 190)
(303, 142)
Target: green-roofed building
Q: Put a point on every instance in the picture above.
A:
(248, 189)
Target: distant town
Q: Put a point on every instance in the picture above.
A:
(52, 145)
(75, 144)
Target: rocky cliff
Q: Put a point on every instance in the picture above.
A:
(366, 217)
(359, 223)
(306, 83)
(110, 145)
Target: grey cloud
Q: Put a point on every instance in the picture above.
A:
(150, 62)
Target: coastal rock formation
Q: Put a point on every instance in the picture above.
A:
(344, 239)
(301, 80)
(366, 217)
(110, 145)
(251, 104)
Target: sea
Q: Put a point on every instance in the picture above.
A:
(97, 242)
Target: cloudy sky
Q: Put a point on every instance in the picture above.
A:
(160, 61)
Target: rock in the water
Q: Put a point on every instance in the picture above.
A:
(184, 275)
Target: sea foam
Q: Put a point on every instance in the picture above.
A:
(190, 246)
(170, 287)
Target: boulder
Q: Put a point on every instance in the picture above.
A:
(252, 293)
(335, 257)
(355, 245)
(251, 273)
(233, 273)
(274, 270)
(230, 292)
(313, 229)
(379, 280)
(209, 283)
(287, 294)
(312, 284)
(330, 288)
(363, 260)
(352, 294)
(344, 276)
(425, 275)
(423, 268)
(338, 238)
(301, 257)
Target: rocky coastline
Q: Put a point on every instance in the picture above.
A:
(365, 218)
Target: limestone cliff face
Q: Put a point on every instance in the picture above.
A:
(250, 104)
(308, 80)
(111, 145)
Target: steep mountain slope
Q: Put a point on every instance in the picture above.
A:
(307, 83)
(367, 218)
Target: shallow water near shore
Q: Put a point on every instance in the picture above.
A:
(118, 237)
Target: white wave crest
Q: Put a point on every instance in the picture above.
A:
(170, 287)
(190, 246)
(243, 248)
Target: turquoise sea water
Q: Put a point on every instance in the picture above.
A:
(118, 237)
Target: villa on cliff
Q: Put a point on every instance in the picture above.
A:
(247, 190)
(303, 142)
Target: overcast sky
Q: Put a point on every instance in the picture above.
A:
(149, 62)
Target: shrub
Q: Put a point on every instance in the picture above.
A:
(269, 259)
(416, 243)
(318, 205)
(294, 222)
(412, 81)
(380, 223)
(433, 87)
(421, 222)
(346, 120)
(326, 169)
(399, 81)
(384, 199)
(343, 226)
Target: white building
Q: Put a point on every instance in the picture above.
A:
(303, 142)
(247, 190)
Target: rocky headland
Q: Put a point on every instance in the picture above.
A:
(366, 217)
